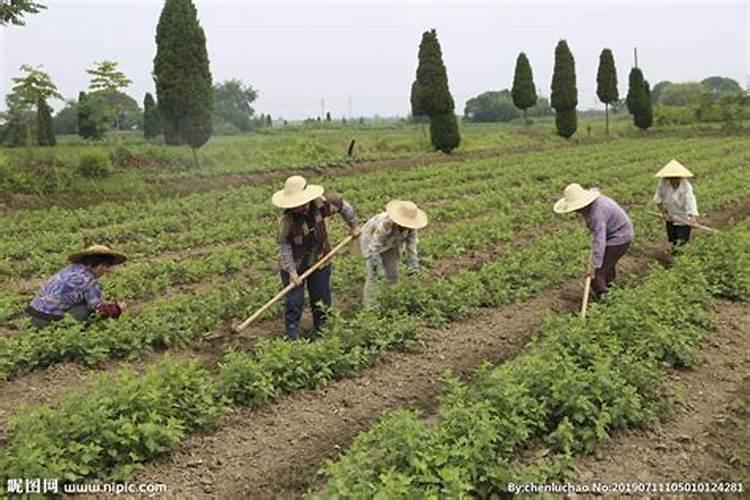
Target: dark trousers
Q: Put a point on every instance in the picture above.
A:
(605, 275)
(319, 288)
(678, 235)
(80, 312)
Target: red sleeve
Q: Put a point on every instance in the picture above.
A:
(108, 310)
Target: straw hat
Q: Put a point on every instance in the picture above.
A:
(118, 257)
(674, 169)
(575, 198)
(406, 214)
(296, 193)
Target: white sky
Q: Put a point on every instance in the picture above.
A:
(365, 52)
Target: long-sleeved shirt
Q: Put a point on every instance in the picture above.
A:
(609, 225)
(73, 285)
(680, 202)
(381, 234)
(304, 237)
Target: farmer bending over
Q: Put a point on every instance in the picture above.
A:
(303, 240)
(677, 203)
(611, 232)
(384, 239)
(75, 289)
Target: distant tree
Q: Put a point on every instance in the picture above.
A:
(430, 95)
(684, 94)
(184, 91)
(639, 100)
(328, 116)
(606, 83)
(65, 122)
(658, 89)
(19, 121)
(564, 97)
(107, 80)
(232, 100)
(12, 11)
(32, 88)
(269, 121)
(44, 133)
(151, 125)
(719, 85)
(524, 91)
(491, 106)
(91, 122)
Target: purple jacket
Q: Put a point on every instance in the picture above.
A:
(609, 225)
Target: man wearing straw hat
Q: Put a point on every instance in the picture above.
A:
(611, 231)
(75, 289)
(384, 238)
(677, 203)
(303, 240)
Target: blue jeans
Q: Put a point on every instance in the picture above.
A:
(319, 288)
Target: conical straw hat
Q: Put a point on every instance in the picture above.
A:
(296, 193)
(575, 198)
(406, 214)
(674, 169)
(118, 257)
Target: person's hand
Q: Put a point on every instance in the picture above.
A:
(294, 278)
(122, 305)
(355, 232)
(590, 271)
(668, 218)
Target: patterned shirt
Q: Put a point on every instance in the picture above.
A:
(304, 237)
(680, 202)
(73, 285)
(609, 225)
(381, 234)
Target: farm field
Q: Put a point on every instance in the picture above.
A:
(150, 397)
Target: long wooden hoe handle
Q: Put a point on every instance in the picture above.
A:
(291, 286)
(687, 222)
(586, 290)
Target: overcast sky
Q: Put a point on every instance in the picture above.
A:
(361, 56)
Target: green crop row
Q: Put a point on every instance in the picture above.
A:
(578, 383)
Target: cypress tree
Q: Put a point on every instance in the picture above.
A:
(564, 96)
(269, 121)
(182, 76)
(42, 129)
(638, 100)
(430, 95)
(606, 83)
(151, 126)
(328, 116)
(523, 92)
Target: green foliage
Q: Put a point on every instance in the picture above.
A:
(491, 106)
(430, 95)
(45, 135)
(94, 165)
(232, 100)
(606, 82)
(65, 122)
(108, 431)
(183, 79)
(720, 85)
(12, 12)
(91, 121)
(444, 132)
(36, 85)
(564, 97)
(151, 119)
(524, 91)
(639, 100)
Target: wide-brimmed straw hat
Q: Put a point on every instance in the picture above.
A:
(117, 257)
(406, 214)
(674, 169)
(296, 193)
(575, 198)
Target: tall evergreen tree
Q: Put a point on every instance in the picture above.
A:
(45, 136)
(638, 100)
(564, 96)
(183, 79)
(523, 92)
(430, 95)
(606, 83)
(91, 121)
(151, 125)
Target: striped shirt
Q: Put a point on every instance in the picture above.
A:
(609, 225)
(73, 285)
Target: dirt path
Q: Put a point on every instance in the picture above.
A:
(686, 447)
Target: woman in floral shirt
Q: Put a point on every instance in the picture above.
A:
(75, 289)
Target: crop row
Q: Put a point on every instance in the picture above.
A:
(578, 383)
